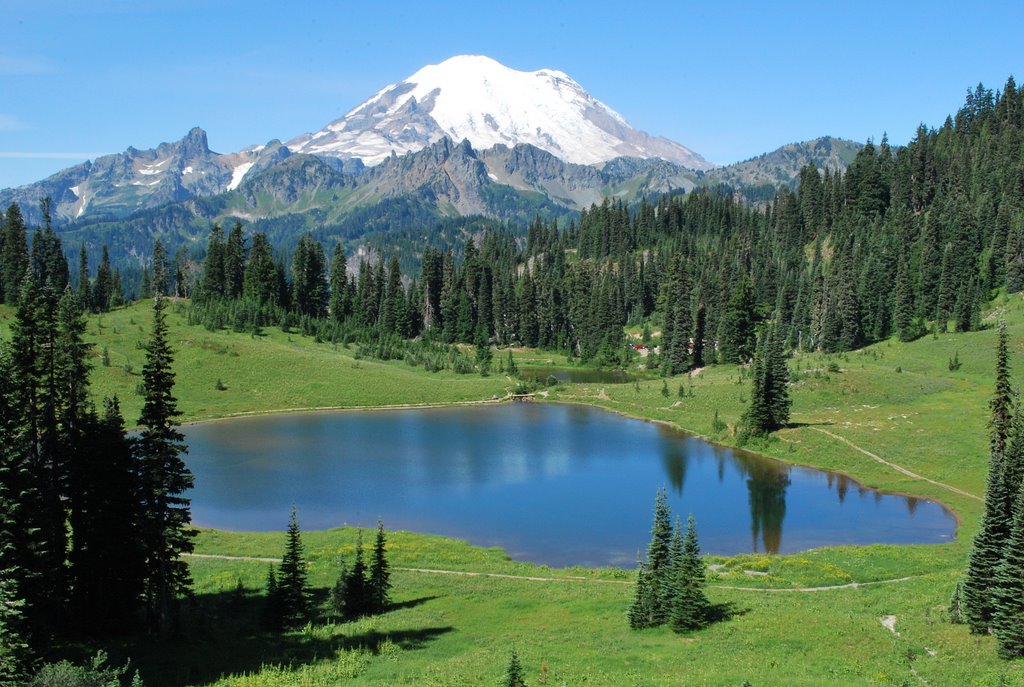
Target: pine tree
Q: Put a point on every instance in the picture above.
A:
(659, 557)
(641, 610)
(164, 529)
(1008, 589)
(15, 254)
(161, 273)
(235, 254)
(769, 396)
(996, 522)
(380, 574)
(213, 281)
(690, 605)
(337, 596)
(16, 657)
(293, 589)
(514, 672)
(272, 617)
(103, 287)
(84, 292)
(357, 586)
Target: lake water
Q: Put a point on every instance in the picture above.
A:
(555, 484)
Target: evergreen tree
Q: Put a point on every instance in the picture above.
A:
(514, 673)
(340, 304)
(15, 254)
(357, 586)
(84, 292)
(16, 657)
(337, 597)
(642, 609)
(737, 333)
(260, 280)
(293, 589)
(272, 616)
(235, 254)
(164, 530)
(380, 574)
(986, 553)
(161, 271)
(659, 559)
(1008, 589)
(213, 280)
(769, 397)
(690, 605)
(103, 287)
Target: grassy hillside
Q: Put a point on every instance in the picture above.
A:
(892, 402)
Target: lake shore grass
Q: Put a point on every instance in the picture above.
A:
(894, 401)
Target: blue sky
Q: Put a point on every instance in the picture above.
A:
(729, 80)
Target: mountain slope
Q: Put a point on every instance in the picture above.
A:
(475, 98)
(781, 167)
(115, 186)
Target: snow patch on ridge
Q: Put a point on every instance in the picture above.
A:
(238, 174)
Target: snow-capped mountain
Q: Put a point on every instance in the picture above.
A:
(475, 98)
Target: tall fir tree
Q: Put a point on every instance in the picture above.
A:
(380, 573)
(996, 521)
(164, 479)
(292, 586)
(1008, 589)
(690, 605)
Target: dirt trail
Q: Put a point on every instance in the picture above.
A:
(897, 468)
(574, 578)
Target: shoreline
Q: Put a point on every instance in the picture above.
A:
(509, 398)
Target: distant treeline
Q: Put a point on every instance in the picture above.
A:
(904, 241)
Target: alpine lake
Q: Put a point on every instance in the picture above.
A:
(560, 485)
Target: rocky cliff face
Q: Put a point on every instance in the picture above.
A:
(115, 186)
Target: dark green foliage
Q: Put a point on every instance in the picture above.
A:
(96, 674)
(670, 583)
(689, 605)
(354, 594)
(14, 251)
(997, 518)
(103, 287)
(514, 672)
(161, 271)
(642, 609)
(380, 573)
(309, 282)
(292, 588)
(272, 615)
(213, 283)
(737, 330)
(769, 397)
(16, 658)
(1008, 589)
(164, 479)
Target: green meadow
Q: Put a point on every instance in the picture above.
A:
(892, 416)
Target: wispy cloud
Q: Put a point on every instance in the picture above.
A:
(11, 123)
(47, 155)
(14, 65)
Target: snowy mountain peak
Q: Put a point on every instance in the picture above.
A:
(476, 98)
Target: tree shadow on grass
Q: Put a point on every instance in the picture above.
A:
(411, 603)
(720, 613)
(221, 634)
